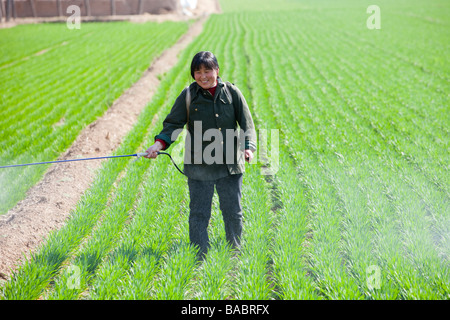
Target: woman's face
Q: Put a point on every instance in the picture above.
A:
(206, 78)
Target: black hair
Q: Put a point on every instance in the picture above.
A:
(206, 59)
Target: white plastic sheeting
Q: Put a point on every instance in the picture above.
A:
(188, 4)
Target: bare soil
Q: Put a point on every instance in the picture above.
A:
(49, 203)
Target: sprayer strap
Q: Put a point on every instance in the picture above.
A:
(188, 104)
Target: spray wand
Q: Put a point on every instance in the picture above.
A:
(138, 155)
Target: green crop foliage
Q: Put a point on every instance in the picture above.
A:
(55, 81)
(357, 204)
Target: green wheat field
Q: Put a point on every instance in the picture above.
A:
(351, 200)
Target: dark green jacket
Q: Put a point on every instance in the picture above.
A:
(216, 153)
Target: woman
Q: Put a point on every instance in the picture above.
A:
(212, 110)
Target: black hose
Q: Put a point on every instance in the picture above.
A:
(159, 152)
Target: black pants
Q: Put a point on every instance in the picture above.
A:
(201, 194)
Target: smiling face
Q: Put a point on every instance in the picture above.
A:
(206, 77)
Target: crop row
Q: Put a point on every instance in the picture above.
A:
(432, 195)
(343, 215)
(91, 210)
(399, 113)
(343, 175)
(148, 256)
(25, 42)
(49, 98)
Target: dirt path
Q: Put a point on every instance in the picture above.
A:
(49, 203)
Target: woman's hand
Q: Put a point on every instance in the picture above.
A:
(248, 155)
(152, 152)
